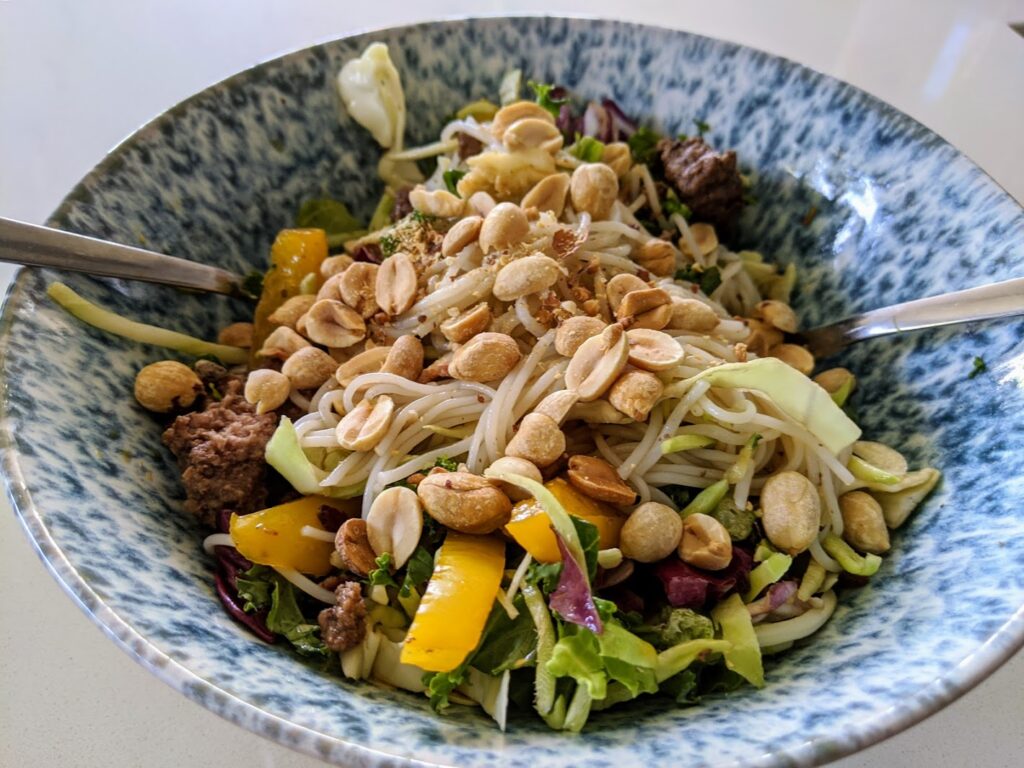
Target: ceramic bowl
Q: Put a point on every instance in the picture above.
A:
(900, 214)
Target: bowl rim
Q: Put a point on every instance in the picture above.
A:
(999, 647)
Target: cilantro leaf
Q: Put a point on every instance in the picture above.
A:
(451, 180)
(439, 686)
(446, 463)
(417, 571)
(550, 97)
(388, 245)
(643, 144)
(702, 127)
(979, 367)
(672, 204)
(382, 573)
(707, 279)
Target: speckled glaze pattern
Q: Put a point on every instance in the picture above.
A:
(901, 214)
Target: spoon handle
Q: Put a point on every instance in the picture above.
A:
(37, 246)
(986, 302)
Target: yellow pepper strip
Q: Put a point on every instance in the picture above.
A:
(295, 254)
(274, 536)
(458, 600)
(531, 527)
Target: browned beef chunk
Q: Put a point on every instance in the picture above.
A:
(220, 451)
(706, 181)
(343, 626)
(402, 205)
(468, 146)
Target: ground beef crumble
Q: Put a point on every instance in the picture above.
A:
(343, 626)
(707, 182)
(220, 450)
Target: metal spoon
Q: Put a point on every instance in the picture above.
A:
(37, 246)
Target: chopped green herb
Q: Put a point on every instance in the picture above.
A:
(552, 104)
(422, 218)
(451, 180)
(587, 148)
(702, 127)
(388, 245)
(979, 367)
(672, 204)
(446, 463)
(679, 495)
(707, 279)
(382, 573)
(643, 144)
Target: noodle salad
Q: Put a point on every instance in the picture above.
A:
(533, 437)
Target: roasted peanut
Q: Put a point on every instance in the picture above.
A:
(794, 356)
(792, 511)
(705, 543)
(369, 361)
(635, 393)
(236, 335)
(598, 479)
(574, 331)
(436, 370)
(777, 314)
(557, 405)
(396, 284)
(405, 358)
(651, 533)
(539, 439)
(167, 386)
(622, 284)
(437, 202)
(288, 314)
(653, 350)
(464, 502)
(529, 274)
(309, 368)
(332, 324)
(365, 425)
(334, 265)
(762, 338)
(882, 456)
(618, 157)
(353, 547)
(863, 523)
(704, 234)
(464, 232)
(465, 326)
(282, 343)
(517, 110)
(506, 225)
(533, 133)
(481, 203)
(516, 466)
(548, 194)
(266, 389)
(649, 308)
(485, 357)
(692, 315)
(657, 256)
(597, 363)
(594, 188)
(356, 287)
(835, 379)
(597, 412)
(394, 524)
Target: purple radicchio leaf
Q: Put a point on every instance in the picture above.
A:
(572, 599)
(689, 587)
(622, 125)
(777, 595)
(565, 122)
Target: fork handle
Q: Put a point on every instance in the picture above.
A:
(986, 302)
(37, 246)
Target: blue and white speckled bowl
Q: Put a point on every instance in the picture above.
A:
(901, 215)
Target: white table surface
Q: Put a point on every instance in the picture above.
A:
(77, 76)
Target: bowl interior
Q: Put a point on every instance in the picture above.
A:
(899, 215)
